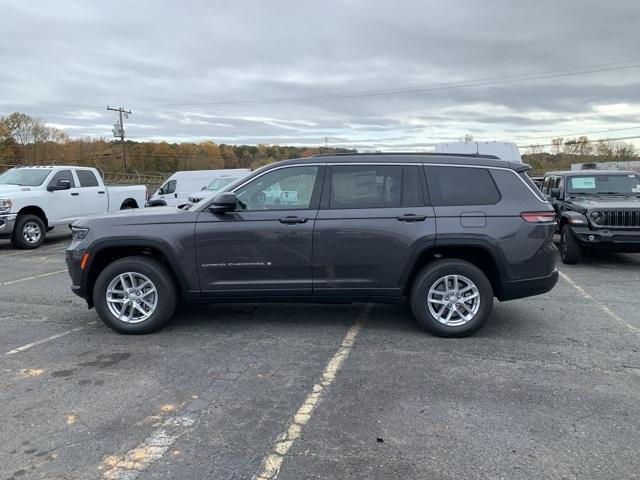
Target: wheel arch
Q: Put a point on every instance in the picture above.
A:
(107, 252)
(129, 203)
(482, 256)
(37, 211)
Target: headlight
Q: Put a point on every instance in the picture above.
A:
(5, 205)
(79, 233)
(596, 216)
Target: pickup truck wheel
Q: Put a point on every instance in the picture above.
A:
(29, 232)
(135, 295)
(451, 298)
(569, 246)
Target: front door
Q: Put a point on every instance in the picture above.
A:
(65, 205)
(372, 221)
(263, 248)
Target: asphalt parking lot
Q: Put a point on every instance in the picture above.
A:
(548, 389)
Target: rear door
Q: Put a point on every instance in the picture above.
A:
(264, 248)
(65, 205)
(373, 218)
(93, 195)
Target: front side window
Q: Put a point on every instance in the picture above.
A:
(366, 186)
(288, 188)
(63, 175)
(453, 186)
(87, 178)
(24, 177)
(169, 187)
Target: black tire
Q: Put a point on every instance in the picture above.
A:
(569, 246)
(162, 280)
(29, 232)
(430, 276)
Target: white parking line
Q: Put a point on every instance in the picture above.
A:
(45, 340)
(602, 306)
(35, 252)
(35, 277)
(272, 463)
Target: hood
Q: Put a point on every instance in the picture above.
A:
(140, 216)
(13, 189)
(605, 201)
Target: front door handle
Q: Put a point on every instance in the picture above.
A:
(75, 194)
(410, 217)
(101, 192)
(293, 220)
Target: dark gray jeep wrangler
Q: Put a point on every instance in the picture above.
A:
(447, 232)
(596, 209)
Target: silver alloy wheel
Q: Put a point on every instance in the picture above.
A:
(132, 297)
(453, 300)
(31, 232)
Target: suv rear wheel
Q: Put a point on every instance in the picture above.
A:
(135, 295)
(451, 298)
(569, 247)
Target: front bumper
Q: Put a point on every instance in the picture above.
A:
(528, 288)
(612, 240)
(73, 257)
(7, 222)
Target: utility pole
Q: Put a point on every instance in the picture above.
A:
(118, 131)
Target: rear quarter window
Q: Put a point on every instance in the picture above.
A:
(452, 186)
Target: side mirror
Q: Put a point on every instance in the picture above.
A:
(225, 202)
(554, 193)
(63, 184)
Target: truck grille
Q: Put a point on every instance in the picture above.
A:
(617, 218)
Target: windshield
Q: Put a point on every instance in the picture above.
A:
(24, 177)
(605, 183)
(219, 182)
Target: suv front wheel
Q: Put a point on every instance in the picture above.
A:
(135, 295)
(451, 298)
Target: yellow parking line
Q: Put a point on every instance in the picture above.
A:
(272, 462)
(602, 306)
(35, 277)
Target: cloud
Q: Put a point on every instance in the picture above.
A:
(286, 71)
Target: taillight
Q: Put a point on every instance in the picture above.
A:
(538, 217)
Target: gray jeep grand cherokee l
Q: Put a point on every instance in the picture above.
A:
(447, 232)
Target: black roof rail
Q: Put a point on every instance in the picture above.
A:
(418, 154)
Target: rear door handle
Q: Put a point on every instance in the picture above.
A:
(101, 192)
(410, 217)
(293, 220)
(75, 194)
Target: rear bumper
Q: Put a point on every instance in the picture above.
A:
(611, 240)
(7, 222)
(528, 287)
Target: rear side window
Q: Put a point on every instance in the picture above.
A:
(87, 178)
(451, 186)
(366, 186)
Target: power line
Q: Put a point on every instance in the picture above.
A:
(480, 82)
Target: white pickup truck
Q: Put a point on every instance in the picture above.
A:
(33, 200)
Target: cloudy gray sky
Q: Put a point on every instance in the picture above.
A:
(369, 74)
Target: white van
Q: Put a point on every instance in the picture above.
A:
(503, 150)
(219, 183)
(175, 191)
